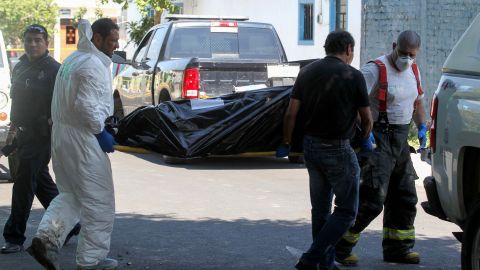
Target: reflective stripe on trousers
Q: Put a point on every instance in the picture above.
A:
(395, 234)
(351, 237)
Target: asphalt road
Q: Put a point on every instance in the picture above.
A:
(225, 213)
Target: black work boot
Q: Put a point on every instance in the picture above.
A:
(45, 253)
(410, 257)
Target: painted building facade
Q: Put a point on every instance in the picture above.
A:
(66, 35)
(302, 25)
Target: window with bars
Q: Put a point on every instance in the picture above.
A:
(338, 15)
(305, 21)
(341, 15)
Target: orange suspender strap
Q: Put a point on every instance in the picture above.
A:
(382, 85)
(419, 85)
(417, 77)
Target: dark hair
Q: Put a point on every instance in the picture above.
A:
(37, 29)
(338, 41)
(409, 39)
(104, 27)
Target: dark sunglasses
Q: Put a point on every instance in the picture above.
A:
(35, 28)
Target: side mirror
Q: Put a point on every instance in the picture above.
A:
(120, 57)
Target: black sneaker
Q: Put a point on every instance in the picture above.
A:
(11, 248)
(73, 232)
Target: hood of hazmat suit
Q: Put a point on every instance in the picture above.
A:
(82, 100)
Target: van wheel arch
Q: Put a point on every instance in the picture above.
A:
(471, 177)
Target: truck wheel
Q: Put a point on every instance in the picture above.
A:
(173, 160)
(164, 96)
(296, 159)
(471, 240)
(118, 107)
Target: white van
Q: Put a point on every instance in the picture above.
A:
(4, 92)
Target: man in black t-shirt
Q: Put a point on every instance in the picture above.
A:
(330, 94)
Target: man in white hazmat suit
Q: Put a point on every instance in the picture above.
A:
(82, 100)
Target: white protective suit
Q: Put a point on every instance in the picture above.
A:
(82, 100)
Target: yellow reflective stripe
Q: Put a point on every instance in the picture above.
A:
(351, 237)
(395, 234)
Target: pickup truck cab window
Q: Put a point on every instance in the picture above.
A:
(258, 43)
(155, 46)
(140, 53)
(247, 43)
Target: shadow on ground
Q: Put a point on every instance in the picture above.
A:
(225, 163)
(164, 242)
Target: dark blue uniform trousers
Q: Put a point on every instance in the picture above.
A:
(32, 178)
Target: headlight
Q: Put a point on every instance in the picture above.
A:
(3, 100)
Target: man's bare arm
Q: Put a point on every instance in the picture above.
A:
(366, 121)
(419, 114)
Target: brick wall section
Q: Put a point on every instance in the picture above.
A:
(440, 24)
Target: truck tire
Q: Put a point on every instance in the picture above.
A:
(471, 240)
(164, 96)
(173, 160)
(296, 159)
(118, 107)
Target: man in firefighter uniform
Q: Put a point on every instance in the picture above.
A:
(395, 93)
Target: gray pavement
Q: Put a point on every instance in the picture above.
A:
(225, 213)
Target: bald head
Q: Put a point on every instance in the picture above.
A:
(408, 40)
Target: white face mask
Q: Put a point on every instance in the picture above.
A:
(404, 62)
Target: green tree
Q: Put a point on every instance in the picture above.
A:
(138, 29)
(16, 15)
(79, 15)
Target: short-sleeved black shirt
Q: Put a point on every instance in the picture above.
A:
(330, 92)
(31, 92)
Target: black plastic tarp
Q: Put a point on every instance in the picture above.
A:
(243, 122)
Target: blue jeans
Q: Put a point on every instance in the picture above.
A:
(333, 169)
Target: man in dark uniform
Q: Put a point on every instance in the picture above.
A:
(33, 79)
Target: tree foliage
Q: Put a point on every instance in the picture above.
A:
(16, 15)
(138, 29)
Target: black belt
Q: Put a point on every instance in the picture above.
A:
(331, 141)
(334, 142)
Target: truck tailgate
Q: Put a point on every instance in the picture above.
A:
(221, 78)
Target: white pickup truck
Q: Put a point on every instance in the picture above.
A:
(453, 190)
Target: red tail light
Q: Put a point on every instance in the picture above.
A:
(191, 83)
(433, 130)
(223, 24)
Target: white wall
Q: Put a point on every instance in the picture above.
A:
(354, 26)
(283, 15)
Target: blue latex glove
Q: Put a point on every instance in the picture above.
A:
(106, 141)
(367, 144)
(283, 150)
(422, 135)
